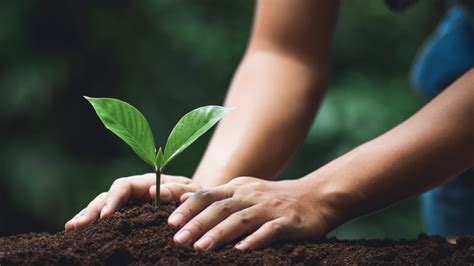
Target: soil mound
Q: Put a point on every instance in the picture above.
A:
(140, 235)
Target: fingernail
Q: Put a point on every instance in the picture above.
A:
(203, 243)
(176, 220)
(242, 246)
(165, 193)
(182, 237)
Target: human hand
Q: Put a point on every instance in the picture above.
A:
(267, 210)
(139, 188)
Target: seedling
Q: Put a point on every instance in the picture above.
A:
(131, 126)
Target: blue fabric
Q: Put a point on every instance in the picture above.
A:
(448, 210)
(447, 55)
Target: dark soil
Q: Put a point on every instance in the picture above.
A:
(140, 235)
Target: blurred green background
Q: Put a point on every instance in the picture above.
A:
(167, 57)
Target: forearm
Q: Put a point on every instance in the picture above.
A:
(276, 91)
(425, 151)
(275, 99)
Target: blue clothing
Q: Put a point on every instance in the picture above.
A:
(448, 55)
(449, 209)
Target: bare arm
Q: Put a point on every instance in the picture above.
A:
(425, 151)
(428, 149)
(276, 89)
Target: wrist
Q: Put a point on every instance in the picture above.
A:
(323, 199)
(341, 204)
(338, 197)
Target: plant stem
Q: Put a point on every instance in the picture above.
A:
(156, 204)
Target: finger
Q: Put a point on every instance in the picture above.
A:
(165, 194)
(185, 196)
(152, 192)
(118, 194)
(208, 218)
(87, 215)
(267, 234)
(173, 191)
(198, 202)
(70, 224)
(174, 178)
(236, 225)
(124, 189)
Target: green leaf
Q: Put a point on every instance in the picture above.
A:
(190, 127)
(160, 159)
(127, 123)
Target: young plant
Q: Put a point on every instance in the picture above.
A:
(131, 126)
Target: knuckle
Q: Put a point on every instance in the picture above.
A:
(217, 204)
(119, 181)
(219, 232)
(276, 227)
(204, 194)
(243, 189)
(295, 219)
(250, 190)
(274, 203)
(244, 217)
(180, 190)
(201, 192)
(222, 207)
(255, 194)
(186, 180)
(240, 192)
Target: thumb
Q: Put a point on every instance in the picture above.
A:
(165, 193)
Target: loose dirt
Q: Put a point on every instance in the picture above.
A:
(140, 235)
